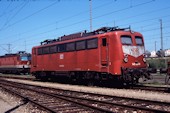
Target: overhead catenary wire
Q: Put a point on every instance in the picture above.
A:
(25, 18)
(103, 15)
(5, 11)
(13, 16)
(7, 50)
(63, 19)
(35, 43)
(156, 35)
(141, 14)
(51, 30)
(97, 17)
(84, 19)
(11, 10)
(55, 36)
(58, 28)
(148, 30)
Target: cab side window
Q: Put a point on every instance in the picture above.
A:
(138, 40)
(126, 40)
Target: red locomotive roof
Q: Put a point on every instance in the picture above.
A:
(83, 34)
(13, 54)
(8, 55)
(95, 32)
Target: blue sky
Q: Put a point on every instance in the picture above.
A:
(25, 23)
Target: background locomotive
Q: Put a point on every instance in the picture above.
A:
(108, 53)
(15, 63)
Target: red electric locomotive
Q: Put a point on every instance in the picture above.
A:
(15, 63)
(109, 53)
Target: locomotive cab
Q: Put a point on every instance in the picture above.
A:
(24, 59)
(133, 64)
(15, 63)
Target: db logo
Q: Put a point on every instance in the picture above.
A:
(135, 50)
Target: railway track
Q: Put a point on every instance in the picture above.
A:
(57, 100)
(18, 77)
(151, 88)
(136, 87)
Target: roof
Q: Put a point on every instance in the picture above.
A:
(84, 34)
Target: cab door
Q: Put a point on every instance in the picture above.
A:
(104, 52)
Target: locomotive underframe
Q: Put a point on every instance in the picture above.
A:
(15, 70)
(129, 76)
(132, 75)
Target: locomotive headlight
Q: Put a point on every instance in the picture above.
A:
(144, 60)
(125, 59)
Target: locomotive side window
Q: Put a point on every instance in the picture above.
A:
(39, 51)
(61, 48)
(126, 40)
(80, 45)
(138, 40)
(53, 49)
(92, 43)
(46, 50)
(70, 46)
(104, 42)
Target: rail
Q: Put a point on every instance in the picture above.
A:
(88, 101)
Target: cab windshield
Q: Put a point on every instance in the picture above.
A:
(126, 40)
(138, 40)
(25, 58)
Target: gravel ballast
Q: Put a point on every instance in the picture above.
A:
(5, 105)
(13, 104)
(9, 103)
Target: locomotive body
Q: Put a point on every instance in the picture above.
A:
(104, 54)
(15, 63)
